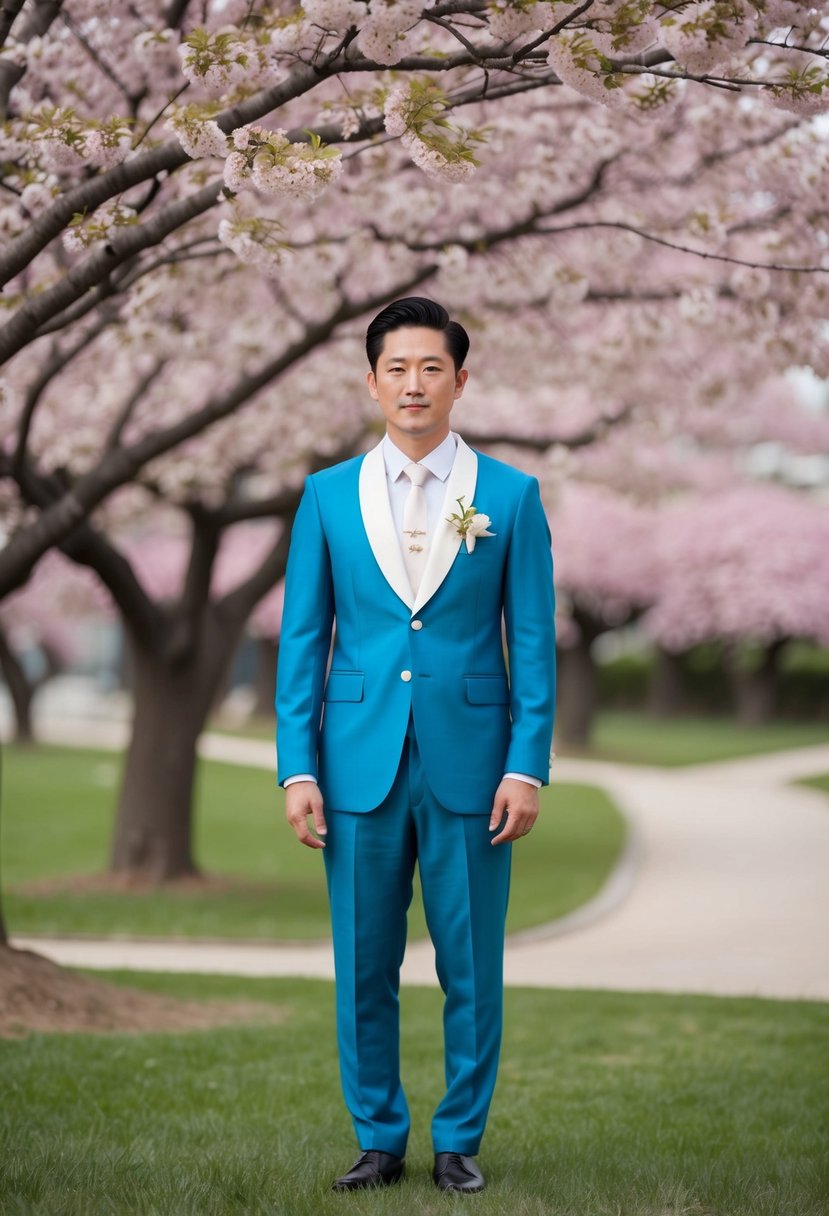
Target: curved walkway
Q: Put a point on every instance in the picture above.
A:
(723, 889)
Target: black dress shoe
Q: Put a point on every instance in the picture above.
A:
(454, 1172)
(371, 1168)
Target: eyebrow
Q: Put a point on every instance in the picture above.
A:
(425, 359)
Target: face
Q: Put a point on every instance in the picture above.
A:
(416, 387)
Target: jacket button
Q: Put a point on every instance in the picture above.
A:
(417, 624)
(405, 676)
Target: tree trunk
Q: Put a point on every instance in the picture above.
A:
(267, 651)
(154, 821)
(578, 685)
(20, 690)
(755, 689)
(667, 696)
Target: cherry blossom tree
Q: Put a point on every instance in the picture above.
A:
(747, 565)
(605, 576)
(625, 202)
(46, 614)
(637, 519)
(166, 94)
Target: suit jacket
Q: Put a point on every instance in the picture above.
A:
(438, 657)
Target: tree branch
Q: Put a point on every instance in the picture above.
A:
(26, 323)
(129, 405)
(22, 250)
(538, 443)
(174, 13)
(206, 535)
(119, 466)
(8, 16)
(88, 547)
(57, 361)
(100, 63)
(697, 253)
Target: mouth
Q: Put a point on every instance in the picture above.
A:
(414, 405)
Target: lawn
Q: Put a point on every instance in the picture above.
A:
(639, 738)
(820, 782)
(609, 1104)
(57, 821)
(672, 742)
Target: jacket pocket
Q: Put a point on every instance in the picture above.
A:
(487, 690)
(344, 686)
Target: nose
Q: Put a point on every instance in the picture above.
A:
(414, 387)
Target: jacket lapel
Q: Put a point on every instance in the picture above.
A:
(446, 542)
(379, 524)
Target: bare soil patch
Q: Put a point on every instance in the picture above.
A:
(107, 882)
(38, 995)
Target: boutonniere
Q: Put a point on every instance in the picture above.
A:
(470, 524)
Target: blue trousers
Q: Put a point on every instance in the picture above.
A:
(369, 861)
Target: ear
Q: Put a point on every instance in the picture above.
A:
(460, 381)
(371, 381)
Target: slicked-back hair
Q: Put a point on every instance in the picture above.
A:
(417, 311)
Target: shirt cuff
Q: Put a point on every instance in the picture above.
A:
(524, 777)
(298, 777)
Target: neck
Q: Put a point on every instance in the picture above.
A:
(416, 446)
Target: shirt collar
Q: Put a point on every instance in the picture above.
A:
(439, 461)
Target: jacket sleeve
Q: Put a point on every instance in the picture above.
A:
(529, 619)
(305, 640)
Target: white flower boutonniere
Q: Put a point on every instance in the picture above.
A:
(470, 524)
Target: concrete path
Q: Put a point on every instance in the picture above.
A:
(723, 889)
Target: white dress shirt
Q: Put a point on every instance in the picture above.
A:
(439, 463)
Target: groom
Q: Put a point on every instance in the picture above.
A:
(413, 744)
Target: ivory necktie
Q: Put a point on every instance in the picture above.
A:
(414, 525)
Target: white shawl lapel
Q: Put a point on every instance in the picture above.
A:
(445, 541)
(384, 541)
(379, 524)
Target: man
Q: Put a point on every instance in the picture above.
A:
(415, 747)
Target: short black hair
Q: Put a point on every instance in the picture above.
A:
(416, 311)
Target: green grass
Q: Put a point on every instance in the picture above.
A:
(639, 738)
(820, 782)
(57, 821)
(672, 742)
(608, 1104)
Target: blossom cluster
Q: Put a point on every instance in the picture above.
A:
(256, 241)
(84, 231)
(390, 30)
(62, 141)
(510, 19)
(268, 161)
(414, 113)
(706, 35)
(198, 134)
(227, 60)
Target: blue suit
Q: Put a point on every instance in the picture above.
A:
(409, 734)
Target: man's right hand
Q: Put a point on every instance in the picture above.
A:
(303, 798)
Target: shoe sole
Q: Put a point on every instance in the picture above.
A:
(367, 1186)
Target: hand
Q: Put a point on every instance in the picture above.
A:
(518, 800)
(303, 798)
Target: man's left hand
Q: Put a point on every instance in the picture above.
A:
(518, 800)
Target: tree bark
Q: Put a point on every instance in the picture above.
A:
(267, 651)
(578, 685)
(173, 696)
(20, 690)
(667, 695)
(755, 690)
